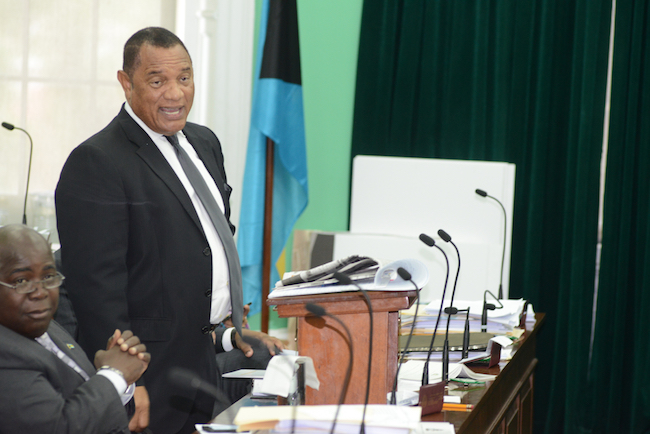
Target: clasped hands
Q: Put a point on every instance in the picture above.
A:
(126, 353)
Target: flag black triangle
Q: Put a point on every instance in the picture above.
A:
(281, 57)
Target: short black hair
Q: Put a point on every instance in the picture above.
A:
(154, 36)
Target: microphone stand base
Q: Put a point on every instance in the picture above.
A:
(431, 398)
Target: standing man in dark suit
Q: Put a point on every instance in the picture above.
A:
(141, 244)
(47, 383)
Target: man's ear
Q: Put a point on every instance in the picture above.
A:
(125, 81)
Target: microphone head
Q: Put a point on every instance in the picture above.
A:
(481, 192)
(343, 278)
(427, 240)
(188, 380)
(8, 126)
(444, 235)
(316, 309)
(403, 273)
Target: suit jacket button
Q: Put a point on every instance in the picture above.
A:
(208, 293)
(206, 330)
(206, 251)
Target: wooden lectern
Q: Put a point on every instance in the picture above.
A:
(326, 342)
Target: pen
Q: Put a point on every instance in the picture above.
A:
(457, 407)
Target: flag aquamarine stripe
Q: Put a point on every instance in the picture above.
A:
(277, 113)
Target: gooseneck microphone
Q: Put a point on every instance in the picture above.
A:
(451, 310)
(488, 306)
(465, 350)
(345, 279)
(505, 228)
(11, 127)
(316, 309)
(320, 312)
(405, 275)
(431, 243)
(188, 380)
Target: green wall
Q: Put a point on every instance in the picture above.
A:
(329, 41)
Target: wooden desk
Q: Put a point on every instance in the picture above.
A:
(504, 405)
(326, 342)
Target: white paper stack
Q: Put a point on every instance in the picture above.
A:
(500, 321)
(379, 419)
(425, 323)
(410, 374)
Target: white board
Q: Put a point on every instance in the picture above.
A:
(404, 197)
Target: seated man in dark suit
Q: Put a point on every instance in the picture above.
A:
(47, 382)
(229, 361)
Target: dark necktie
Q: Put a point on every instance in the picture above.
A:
(220, 224)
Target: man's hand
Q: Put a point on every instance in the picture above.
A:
(243, 345)
(140, 419)
(228, 321)
(127, 342)
(271, 343)
(125, 353)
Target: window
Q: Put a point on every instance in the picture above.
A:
(58, 68)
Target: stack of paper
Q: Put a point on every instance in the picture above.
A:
(435, 428)
(499, 321)
(379, 419)
(479, 344)
(410, 374)
(425, 323)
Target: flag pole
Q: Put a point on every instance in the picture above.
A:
(268, 233)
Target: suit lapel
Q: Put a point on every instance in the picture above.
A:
(151, 155)
(70, 349)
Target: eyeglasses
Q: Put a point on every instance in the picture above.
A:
(28, 286)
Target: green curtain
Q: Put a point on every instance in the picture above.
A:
(619, 374)
(521, 81)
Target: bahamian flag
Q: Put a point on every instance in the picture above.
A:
(277, 113)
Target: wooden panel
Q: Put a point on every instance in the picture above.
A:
(326, 342)
(512, 418)
(510, 394)
(499, 429)
(499, 403)
(527, 408)
(344, 302)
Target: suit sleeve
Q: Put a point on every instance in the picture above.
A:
(32, 404)
(92, 221)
